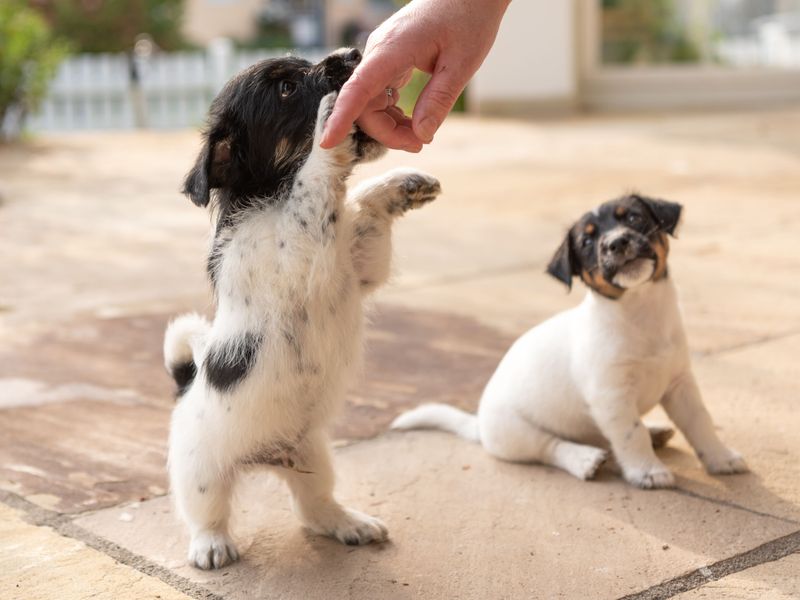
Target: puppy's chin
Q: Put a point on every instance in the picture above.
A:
(635, 273)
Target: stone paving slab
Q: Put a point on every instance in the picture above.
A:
(36, 563)
(462, 525)
(84, 408)
(778, 580)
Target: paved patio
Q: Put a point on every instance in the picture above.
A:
(98, 250)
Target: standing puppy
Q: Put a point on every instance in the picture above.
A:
(290, 262)
(580, 382)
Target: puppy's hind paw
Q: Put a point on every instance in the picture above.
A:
(730, 463)
(211, 550)
(587, 462)
(654, 477)
(350, 527)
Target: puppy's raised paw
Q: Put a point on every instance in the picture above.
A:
(654, 477)
(412, 188)
(728, 463)
(211, 550)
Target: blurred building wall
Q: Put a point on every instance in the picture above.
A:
(532, 66)
(205, 20)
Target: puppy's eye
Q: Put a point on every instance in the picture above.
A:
(634, 219)
(587, 241)
(287, 88)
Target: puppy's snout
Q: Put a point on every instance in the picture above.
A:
(352, 57)
(340, 65)
(619, 245)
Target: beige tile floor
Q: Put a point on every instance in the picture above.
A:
(98, 250)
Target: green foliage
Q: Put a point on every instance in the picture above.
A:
(113, 25)
(410, 93)
(637, 31)
(29, 56)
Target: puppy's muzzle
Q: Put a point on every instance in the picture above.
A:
(618, 248)
(339, 66)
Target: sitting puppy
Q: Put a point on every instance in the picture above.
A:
(580, 381)
(290, 262)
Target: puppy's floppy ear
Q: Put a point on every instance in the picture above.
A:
(666, 214)
(210, 171)
(563, 264)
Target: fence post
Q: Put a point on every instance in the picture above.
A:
(220, 60)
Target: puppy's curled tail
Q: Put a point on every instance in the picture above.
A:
(183, 342)
(440, 416)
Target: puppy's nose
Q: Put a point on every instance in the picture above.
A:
(619, 245)
(352, 57)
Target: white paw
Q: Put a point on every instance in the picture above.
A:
(211, 550)
(653, 477)
(352, 527)
(726, 463)
(586, 462)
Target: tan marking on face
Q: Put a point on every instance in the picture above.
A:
(661, 247)
(598, 283)
(589, 229)
(620, 211)
(282, 151)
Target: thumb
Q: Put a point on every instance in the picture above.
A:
(436, 100)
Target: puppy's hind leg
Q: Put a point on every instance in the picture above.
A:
(375, 204)
(311, 484)
(516, 440)
(201, 488)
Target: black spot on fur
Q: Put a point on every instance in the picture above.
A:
(229, 362)
(183, 374)
(202, 489)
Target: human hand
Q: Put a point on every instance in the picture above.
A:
(448, 39)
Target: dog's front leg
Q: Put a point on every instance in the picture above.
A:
(311, 483)
(684, 405)
(617, 417)
(376, 203)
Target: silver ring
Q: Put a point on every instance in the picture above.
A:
(390, 92)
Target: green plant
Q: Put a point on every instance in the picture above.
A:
(29, 56)
(113, 25)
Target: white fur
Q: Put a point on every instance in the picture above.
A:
(581, 381)
(301, 291)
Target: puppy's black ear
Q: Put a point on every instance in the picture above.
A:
(563, 264)
(666, 214)
(210, 171)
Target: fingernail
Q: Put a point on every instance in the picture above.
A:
(427, 128)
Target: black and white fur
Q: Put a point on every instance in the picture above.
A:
(578, 383)
(291, 261)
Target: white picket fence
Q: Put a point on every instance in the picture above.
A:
(95, 91)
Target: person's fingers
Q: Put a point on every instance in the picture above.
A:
(436, 100)
(391, 128)
(367, 81)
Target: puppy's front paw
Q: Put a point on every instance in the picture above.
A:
(211, 550)
(725, 463)
(414, 189)
(650, 478)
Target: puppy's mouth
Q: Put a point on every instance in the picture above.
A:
(635, 271)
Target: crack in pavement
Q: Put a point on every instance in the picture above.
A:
(765, 339)
(63, 525)
(729, 504)
(768, 552)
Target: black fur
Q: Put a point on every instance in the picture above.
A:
(585, 249)
(228, 363)
(183, 374)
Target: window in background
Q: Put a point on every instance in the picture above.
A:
(730, 33)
